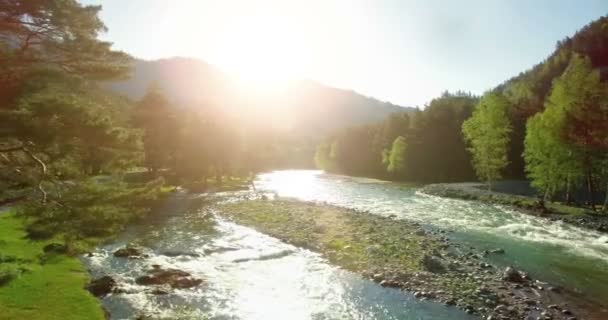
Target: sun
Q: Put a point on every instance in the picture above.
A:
(264, 50)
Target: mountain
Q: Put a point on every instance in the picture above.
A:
(307, 107)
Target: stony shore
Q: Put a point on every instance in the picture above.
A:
(577, 216)
(406, 256)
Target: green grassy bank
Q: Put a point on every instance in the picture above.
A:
(37, 285)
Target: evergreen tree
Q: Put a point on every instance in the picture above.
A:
(154, 115)
(56, 34)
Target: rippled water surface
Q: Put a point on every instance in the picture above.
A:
(249, 275)
(551, 251)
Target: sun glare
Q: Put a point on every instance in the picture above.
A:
(264, 50)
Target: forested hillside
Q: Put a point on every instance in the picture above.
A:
(417, 146)
(548, 124)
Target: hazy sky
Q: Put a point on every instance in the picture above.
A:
(405, 52)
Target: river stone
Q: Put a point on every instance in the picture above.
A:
(433, 264)
(161, 290)
(175, 278)
(102, 286)
(128, 252)
(512, 275)
(497, 251)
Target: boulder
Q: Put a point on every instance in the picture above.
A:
(172, 277)
(128, 252)
(102, 286)
(433, 264)
(512, 275)
(161, 290)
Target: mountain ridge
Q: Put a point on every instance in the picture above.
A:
(308, 104)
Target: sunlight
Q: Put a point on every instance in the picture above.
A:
(264, 50)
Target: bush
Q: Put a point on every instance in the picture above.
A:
(8, 272)
(90, 209)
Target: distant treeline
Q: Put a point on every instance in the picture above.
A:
(197, 143)
(422, 145)
(548, 124)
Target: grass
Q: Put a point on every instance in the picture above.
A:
(53, 290)
(227, 184)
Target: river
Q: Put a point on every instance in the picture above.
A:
(253, 276)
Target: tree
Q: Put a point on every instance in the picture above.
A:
(63, 128)
(49, 53)
(397, 157)
(551, 165)
(585, 99)
(322, 159)
(193, 154)
(57, 34)
(487, 133)
(567, 141)
(154, 115)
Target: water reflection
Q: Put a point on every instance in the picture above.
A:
(248, 276)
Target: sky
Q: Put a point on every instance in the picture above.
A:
(402, 51)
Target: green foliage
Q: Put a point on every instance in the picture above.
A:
(98, 207)
(397, 157)
(487, 133)
(550, 164)
(56, 34)
(58, 124)
(154, 115)
(567, 140)
(430, 135)
(322, 157)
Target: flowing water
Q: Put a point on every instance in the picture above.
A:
(253, 276)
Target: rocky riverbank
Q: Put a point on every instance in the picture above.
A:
(577, 216)
(407, 256)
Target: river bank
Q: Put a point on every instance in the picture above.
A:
(37, 283)
(404, 255)
(577, 216)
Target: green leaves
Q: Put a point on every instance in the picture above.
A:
(567, 140)
(92, 207)
(397, 157)
(488, 134)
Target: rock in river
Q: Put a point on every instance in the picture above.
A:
(433, 264)
(102, 286)
(128, 252)
(512, 275)
(172, 277)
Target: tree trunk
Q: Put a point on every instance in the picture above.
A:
(605, 208)
(568, 196)
(591, 191)
(218, 177)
